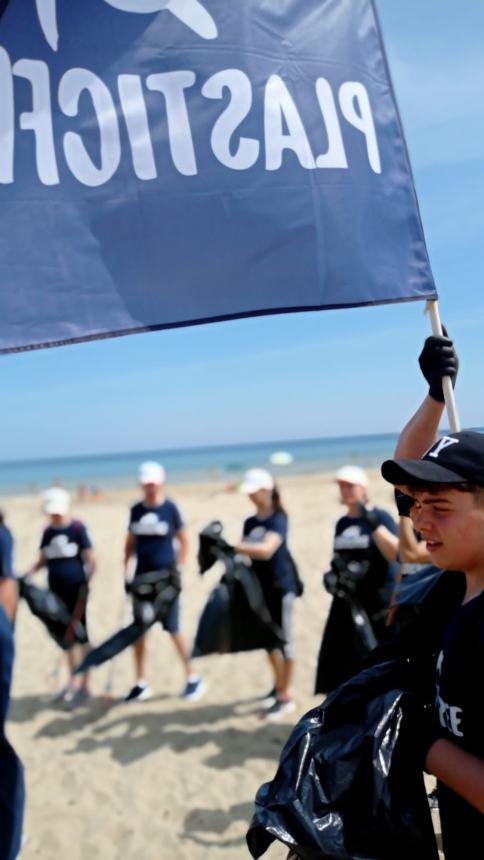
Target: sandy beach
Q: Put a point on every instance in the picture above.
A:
(163, 778)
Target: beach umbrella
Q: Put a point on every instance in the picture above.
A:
(173, 162)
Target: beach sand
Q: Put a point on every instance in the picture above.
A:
(163, 778)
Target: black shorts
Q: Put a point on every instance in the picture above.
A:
(73, 595)
(281, 609)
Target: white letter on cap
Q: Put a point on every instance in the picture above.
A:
(441, 444)
(280, 106)
(72, 84)
(356, 108)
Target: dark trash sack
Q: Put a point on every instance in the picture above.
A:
(354, 626)
(349, 784)
(65, 630)
(235, 617)
(153, 596)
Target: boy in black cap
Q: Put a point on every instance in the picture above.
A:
(447, 485)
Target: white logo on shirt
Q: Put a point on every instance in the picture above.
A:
(450, 716)
(257, 534)
(150, 525)
(351, 538)
(60, 547)
(192, 13)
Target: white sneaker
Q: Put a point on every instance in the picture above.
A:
(279, 709)
(193, 690)
(139, 693)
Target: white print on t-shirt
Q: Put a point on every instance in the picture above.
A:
(351, 538)
(60, 547)
(149, 524)
(257, 534)
(450, 716)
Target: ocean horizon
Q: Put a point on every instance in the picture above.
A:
(97, 472)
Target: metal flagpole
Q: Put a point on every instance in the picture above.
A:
(454, 423)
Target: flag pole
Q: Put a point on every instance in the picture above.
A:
(454, 423)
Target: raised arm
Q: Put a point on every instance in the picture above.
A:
(437, 359)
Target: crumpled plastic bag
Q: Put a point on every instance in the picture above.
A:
(349, 784)
(235, 617)
(153, 596)
(52, 611)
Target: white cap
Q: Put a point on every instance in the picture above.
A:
(352, 475)
(256, 479)
(151, 473)
(56, 501)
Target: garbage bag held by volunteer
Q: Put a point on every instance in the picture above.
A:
(153, 596)
(235, 617)
(48, 607)
(360, 580)
(349, 783)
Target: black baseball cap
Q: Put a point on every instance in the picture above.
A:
(454, 459)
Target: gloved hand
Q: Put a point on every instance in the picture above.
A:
(404, 503)
(437, 359)
(369, 516)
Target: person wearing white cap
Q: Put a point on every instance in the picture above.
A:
(365, 546)
(158, 540)
(66, 550)
(264, 541)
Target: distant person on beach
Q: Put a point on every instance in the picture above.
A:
(8, 587)
(67, 552)
(11, 771)
(445, 478)
(157, 539)
(264, 541)
(365, 548)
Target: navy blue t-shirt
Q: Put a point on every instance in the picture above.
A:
(63, 548)
(6, 552)
(460, 713)
(353, 541)
(154, 529)
(278, 571)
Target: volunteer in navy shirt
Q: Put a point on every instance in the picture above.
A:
(365, 549)
(157, 540)
(264, 541)
(8, 587)
(67, 552)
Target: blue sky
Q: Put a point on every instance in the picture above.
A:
(303, 375)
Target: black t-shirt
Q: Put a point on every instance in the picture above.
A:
(154, 529)
(354, 541)
(63, 548)
(460, 712)
(278, 571)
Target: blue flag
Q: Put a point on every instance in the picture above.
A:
(171, 162)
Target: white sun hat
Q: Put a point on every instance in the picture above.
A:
(151, 473)
(56, 501)
(352, 475)
(256, 479)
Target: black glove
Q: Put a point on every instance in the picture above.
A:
(369, 516)
(404, 503)
(437, 359)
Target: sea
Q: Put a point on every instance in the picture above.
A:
(99, 472)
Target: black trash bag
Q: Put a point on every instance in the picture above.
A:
(153, 596)
(349, 784)
(64, 628)
(235, 617)
(411, 594)
(212, 546)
